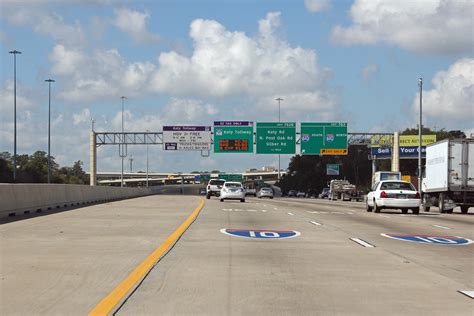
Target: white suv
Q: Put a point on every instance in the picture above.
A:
(214, 187)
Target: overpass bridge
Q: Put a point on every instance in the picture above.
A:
(161, 178)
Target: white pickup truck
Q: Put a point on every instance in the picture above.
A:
(214, 187)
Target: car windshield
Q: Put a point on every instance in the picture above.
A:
(216, 182)
(397, 186)
(232, 185)
(266, 189)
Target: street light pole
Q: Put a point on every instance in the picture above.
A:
(131, 164)
(121, 146)
(147, 162)
(14, 52)
(49, 129)
(420, 84)
(279, 120)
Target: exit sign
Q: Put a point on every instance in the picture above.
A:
(324, 138)
(276, 138)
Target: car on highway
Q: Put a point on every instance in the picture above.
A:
(232, 191)
(214, 187)
(265, 192)
(391, 194)
(300, 194)
(292, 193)
(250, 191)
(324, 193)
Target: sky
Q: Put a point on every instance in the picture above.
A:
(195, 62)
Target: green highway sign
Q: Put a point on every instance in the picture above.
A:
(233, 137)
(231, 177)
(276, 138)
(324, 138)
(332, 169)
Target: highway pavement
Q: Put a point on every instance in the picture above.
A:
(340, 259)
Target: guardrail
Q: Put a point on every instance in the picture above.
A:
(19, 199)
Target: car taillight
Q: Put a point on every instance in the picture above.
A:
(208, 187)
(383, 195)
(417, 195)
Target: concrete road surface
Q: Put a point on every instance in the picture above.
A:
(340, 264)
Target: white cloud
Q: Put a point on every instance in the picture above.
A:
(450, 101)
(423, 26)
(7, 98)
(97, 75)
(81, 117)
(134, 23)
(317, 5)
(46, 23)
(369, 71)
(226, 64)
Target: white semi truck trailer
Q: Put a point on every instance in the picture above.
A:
(449, 175)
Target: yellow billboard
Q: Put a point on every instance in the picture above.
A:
(405, 140)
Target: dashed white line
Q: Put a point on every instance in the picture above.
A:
(467, 293)
(275, 208)
(443, 227)
(289, 213)
(264, 211)
(252, 210)
(384, 216)
(362, 242)
(315, 223)
(317, 212)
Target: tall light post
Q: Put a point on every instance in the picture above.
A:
(49, 81)
(279, 120)
(420, 84)
(131, 164)
(14, 52)
(121, 147)
(146, 161)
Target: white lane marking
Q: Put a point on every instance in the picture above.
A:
(252, 210)
(315, 223)
(317, 212)
(289, 213)
(227, 209)
(338, 213)
(467, 293)
(362, 242)
(349, 213)
(443, 227)
(275, 208)
(264, 211)
(384, 216)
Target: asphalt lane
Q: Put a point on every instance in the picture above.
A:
(322, 271)
(65, 263)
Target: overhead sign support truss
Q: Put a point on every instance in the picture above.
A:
(98, 139)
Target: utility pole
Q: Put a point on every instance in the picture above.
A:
(14, 52)
(49, 81)
(279, 120)
(420, 127)
(122, 147)
(147, 161)
(131, 164)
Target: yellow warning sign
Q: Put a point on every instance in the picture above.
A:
(333, 151)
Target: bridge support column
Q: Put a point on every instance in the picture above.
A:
(396, 152)
(93, 159)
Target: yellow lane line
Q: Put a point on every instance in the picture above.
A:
(113, 298)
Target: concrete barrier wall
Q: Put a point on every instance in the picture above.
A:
(18, 199)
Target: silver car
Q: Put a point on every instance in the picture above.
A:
(265, 192)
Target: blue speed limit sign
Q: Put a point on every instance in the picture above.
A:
(431, 239)
(260, 233)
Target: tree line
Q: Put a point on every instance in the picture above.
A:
(34, 169)
(308, 173)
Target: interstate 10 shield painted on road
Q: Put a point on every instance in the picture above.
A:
(431, 239)
(260, 233)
